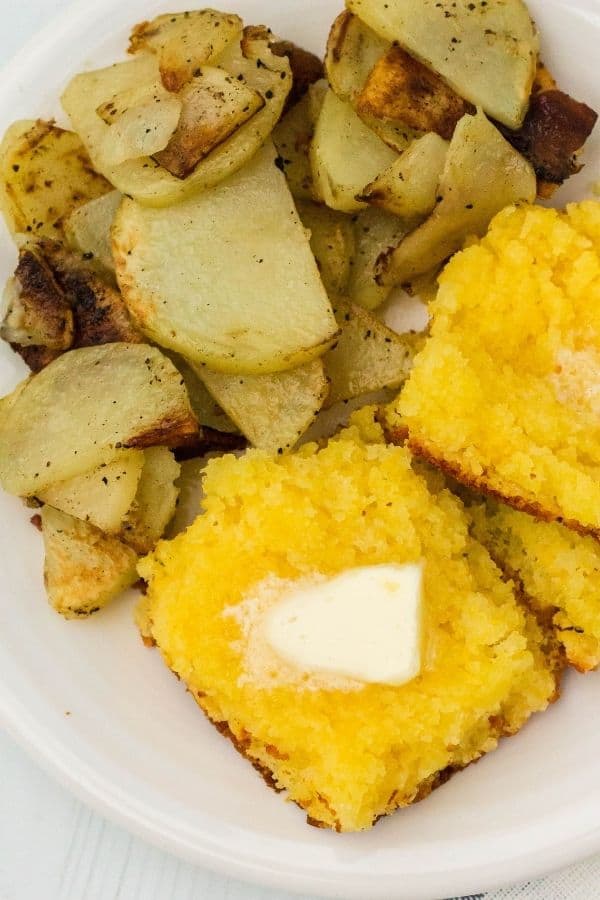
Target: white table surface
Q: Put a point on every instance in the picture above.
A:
(52, 847)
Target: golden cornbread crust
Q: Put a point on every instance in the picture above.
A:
(346, 756)
(505, 395)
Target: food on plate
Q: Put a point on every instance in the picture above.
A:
(249, 61)
(292, 137)
(154, 503)
(83, 568)
(558, 568)
(306, 68)
(248, 300)
(368, 356)
(516, 365)
(332, 242)
(353, 49)
(84, 408)
(87, 230)
(345, 155)
(45, 173)
(482, 174)
(402, 89)
(486, 52)
(102, 496)
(272, 411)
(206, 409)
(376, 232)
(486, 664)
(410, 187)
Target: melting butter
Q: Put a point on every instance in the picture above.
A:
(364, 624)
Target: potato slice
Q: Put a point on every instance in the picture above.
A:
(225, 301)
(332, 243)
(487, 52)
(482, 175)
(205, 408)
(83, 569)
(345, 155)
(352, 51)
(368, 356)
(214, 106)
(155, 501)
(37, 312)
(306, 68)
(189, 500)
(316, 97)
(143, 179)
(101, 497)
(46, 173)
(184, 41)
(87, 229)
(86, 406)
(292, 137)
(401, 89)
(272, 411)
(376, 231)
(409, 188)
(141, 120)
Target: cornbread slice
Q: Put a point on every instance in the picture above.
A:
(506, 393)
(559, 570)
(345, 752)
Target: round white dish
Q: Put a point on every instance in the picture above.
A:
(103, 714)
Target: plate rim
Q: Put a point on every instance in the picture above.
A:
(102, 794)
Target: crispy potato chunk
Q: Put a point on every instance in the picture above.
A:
(87, 230)
(206, 409)
(101, 497)
(332, 243)
(368, 356)
(352, 51)
(292, 136)
(155, 500)
(37, 312)
(184, 41)
(84, 569)
(402, 89)
(228, 310)
(345, 155)
(409, 187)
(376, 231)
(215, 105)
(486, 52)
(306, 68)
(482, 175)
(46, 173)
(86, 406)
(272, 411)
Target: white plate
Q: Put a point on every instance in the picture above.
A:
(104, 715)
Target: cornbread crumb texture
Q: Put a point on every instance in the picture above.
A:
(506, 393)
(559, 570)
(346, 756)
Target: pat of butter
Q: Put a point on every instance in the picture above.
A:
(364, 624)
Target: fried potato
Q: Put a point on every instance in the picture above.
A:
(36, 310)
(352, 51)
(345, 155)
(272, 411)
(332, 243)
(86, 406)
(225, 301)
(184, 41)
(316, 97)
(206, 409)
(87, 230)
(83, 569)
(214, 106)
(401, 89)
(482, 175)
(155, 501)
(306, 68)
(487, 53)
(368, 356)
(253, 64)
(375, 232)
(101, 497)
(292, 136)
(141, 122)
(409, 188)
(45, 174)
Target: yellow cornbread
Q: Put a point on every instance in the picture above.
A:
(559, 570)
(506, 393)
(346, 756)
